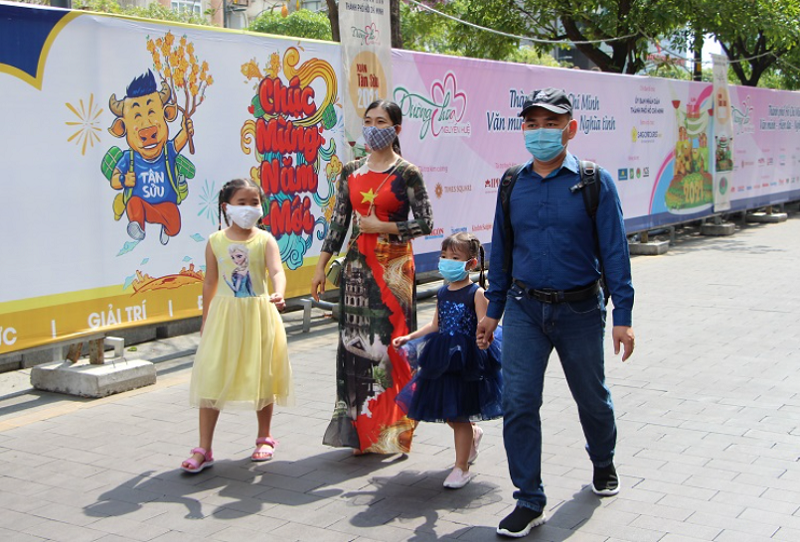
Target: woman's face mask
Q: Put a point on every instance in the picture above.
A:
(379, 138)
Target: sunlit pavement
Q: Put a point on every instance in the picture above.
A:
(709, 435)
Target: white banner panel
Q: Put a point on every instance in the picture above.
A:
(365, 30)
(143, 122)
(723, 135)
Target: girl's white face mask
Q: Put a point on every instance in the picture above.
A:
(244, 216)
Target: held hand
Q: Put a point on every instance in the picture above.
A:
(397, 342)
(280, 302)
(130, 179)
(624, 335)
(188, 125)
(318, 284)
(370, 223)
(485, 332)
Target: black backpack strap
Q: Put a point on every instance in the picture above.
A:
(590, 189)
(506, 186)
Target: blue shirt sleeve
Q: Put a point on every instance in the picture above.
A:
(614, 250)
(499, 281)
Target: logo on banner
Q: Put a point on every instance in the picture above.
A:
(369, 35)
(440, 113)
(436, 233)
(287, 137)
(741, 118)
(644, 136)
(457, 188)
(440, 189)
(622, 174)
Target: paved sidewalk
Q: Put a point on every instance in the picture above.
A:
(709, 424)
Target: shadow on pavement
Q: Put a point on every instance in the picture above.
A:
(238, 487)
(409, 498)
(565, 520)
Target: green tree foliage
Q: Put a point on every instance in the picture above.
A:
(426, 31)
(299, 24)
(151, 11)
(461, 38)
(622, 29)
(430, 32)
(674, 70)
(758, 36)
(529, 55)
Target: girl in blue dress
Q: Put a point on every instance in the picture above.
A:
(456, 382)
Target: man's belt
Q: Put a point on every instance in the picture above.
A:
(558, 296)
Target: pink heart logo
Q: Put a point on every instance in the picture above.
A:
(372, 34)
(451, 102)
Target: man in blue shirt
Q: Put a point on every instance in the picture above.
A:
(552, 299)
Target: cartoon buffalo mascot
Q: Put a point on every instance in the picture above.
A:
(151, 174)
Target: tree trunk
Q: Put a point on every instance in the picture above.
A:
(594, 54)
(758, 65)
(394, 14)
(333, 17)
(697, 45)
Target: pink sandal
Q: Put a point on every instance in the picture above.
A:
(264, 455)
(195, 467)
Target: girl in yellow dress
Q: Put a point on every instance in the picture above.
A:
(242, 359)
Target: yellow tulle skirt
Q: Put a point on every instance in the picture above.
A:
(242, 361)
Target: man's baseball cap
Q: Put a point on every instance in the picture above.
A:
(552, 99)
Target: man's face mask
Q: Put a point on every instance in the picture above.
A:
(545, 143)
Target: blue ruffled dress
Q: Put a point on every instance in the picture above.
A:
(455, 380)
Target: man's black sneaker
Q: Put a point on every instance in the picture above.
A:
(520, 522)
(605, 481)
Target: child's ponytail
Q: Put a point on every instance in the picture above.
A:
(219, 207)
(482, 276)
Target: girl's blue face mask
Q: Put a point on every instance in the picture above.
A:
(545, 143)
(453, 270)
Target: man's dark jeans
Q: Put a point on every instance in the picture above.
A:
(531, 329)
